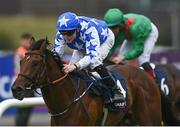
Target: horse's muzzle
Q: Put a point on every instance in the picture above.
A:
(18, 92)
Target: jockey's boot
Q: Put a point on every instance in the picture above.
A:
(147, 67)
(110, 82)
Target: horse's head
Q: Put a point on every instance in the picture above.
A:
(33, 70)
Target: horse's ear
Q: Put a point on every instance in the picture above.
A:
(43, 46)
(47, 41)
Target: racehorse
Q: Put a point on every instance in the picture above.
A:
(170, 94)
(68, 101)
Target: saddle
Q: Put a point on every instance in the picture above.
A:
(99, 89)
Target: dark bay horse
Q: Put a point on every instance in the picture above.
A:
(65, 96)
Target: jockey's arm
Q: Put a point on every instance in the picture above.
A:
(137, 49)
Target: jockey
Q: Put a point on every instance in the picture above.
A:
(138, 34)
(91, 40)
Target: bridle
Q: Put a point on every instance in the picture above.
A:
(34, 82)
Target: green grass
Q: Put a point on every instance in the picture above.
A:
(11, 29)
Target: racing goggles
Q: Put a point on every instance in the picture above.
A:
(67, 32)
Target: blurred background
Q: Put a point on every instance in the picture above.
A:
(38, 17)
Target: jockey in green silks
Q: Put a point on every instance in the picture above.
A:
(138, 34)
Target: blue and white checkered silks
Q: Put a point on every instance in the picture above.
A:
(92, 34)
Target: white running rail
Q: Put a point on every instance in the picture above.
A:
(26, 102)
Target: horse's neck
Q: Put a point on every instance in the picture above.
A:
(58, 96)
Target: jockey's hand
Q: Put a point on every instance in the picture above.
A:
(69, 68)
(118, 59)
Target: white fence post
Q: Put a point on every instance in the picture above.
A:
(26, 102)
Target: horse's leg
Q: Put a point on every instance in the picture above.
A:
(52, 122)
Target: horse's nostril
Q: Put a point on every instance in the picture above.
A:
(18, 92)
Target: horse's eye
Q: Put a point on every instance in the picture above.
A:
(35, 63)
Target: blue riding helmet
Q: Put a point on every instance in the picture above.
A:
(67, 21)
